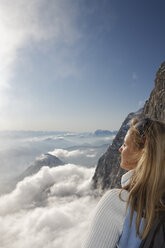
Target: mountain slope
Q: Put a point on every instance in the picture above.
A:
(46, 160)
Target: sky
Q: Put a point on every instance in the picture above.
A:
(77, 66)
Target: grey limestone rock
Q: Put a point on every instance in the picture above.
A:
(155, 105)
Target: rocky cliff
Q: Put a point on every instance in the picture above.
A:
(108, 172)
(155, 105)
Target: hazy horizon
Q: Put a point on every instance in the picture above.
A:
(55, 131)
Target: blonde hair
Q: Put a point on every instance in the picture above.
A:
(147, 185)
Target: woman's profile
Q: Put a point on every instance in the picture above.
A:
(124, 218)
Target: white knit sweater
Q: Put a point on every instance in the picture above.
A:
(108, 220)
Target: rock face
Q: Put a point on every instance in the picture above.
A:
(108, 172)
(155, 105)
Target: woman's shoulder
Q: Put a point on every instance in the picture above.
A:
(111, 200)
(107, 222)
(113, 194)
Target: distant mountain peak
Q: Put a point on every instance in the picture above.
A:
(46, 159)
(101, 132)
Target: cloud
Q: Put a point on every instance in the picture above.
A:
(63, 180)
(140, 103)
(91, 155)
(23, 23)
(134, 76)
(109, 138)
(62, 154)
(82, 156)
(44, 208)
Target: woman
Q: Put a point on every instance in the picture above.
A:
(146, 201)
(143, 195)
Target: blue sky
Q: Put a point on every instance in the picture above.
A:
(77, 65)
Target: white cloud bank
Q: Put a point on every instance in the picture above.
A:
(78, 156)
(50, 209)
(61, 153)
(140, 103)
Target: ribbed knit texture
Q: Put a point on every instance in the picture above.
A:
(108, 220)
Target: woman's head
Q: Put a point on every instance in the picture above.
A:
(143, 136)
(147, 187)
(147, 138)
(131, 150)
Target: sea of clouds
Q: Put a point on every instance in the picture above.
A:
(49, 209)
(52, 208)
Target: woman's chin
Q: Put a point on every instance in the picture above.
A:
(122, 166)
(125, 167)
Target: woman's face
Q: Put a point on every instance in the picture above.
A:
(129, 157)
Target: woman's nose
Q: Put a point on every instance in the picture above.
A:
(120, 149)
